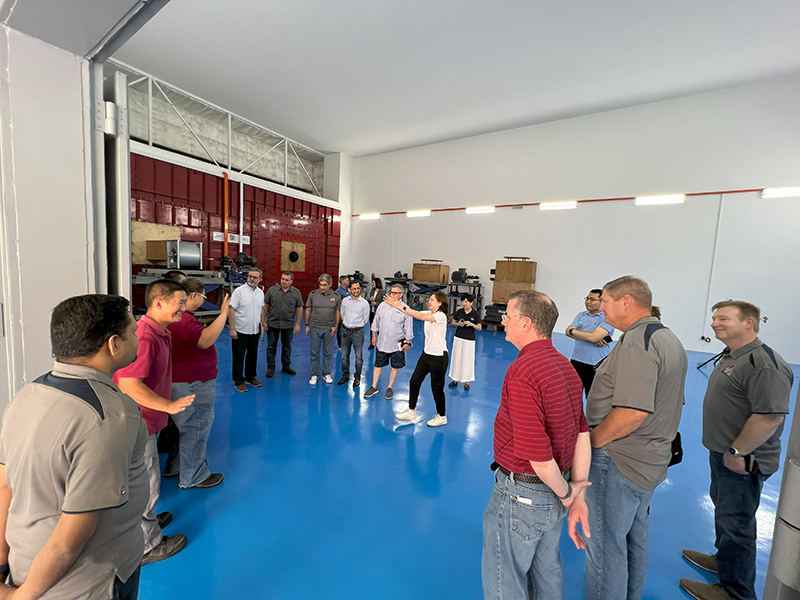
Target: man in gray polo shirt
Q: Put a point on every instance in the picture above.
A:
(73, 484)
(743, 414)
(284, 305)
(633, 408)
(322, 321)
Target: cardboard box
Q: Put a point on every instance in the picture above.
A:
(431, 273)
(515, 271)
(157, 250)
(501, 290)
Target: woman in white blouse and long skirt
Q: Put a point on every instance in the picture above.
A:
(434, 357)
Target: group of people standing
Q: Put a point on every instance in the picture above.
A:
(600, 468)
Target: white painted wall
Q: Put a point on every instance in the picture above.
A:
(747, 137)
(46, 248)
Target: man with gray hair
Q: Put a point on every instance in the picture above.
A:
(322, 320)
(245, 327)
(743, 413)
(392, 332)
(633, 410)
(542, 456)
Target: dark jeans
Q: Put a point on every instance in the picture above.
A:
(355, 340)
(130, 589)
(437, 367)
(736, 498)
(586, 373)
(244, 344)
(286, 336)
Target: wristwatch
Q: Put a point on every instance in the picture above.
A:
(734, 451)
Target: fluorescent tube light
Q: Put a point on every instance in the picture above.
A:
(369, 216)
(479, 210)
(786, 192)
(566, 205)
(668, 199)
(413, 214)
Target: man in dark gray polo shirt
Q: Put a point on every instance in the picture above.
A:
(73, 484)
(284, 304)
(322, 321)
(633, 408)
(743, 414)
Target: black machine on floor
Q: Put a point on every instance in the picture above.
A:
(494, 313)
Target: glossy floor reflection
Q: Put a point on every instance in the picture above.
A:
(326, 495)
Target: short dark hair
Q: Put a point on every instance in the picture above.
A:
(539, 308)
(597, 291)
(193, 286)
(343, 277)
(81, 325)
(289, 274)
(631, 286)
(441, 298)
(746, 310)
(468, 297)
(161, 288)
(174, 275)
(355, 282)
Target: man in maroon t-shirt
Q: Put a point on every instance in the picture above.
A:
(542, 457)
(148, 380)
(194, 372)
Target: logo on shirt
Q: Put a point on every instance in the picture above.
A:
(122, 490)
(728, 370)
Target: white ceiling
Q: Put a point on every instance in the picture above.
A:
(369, 76)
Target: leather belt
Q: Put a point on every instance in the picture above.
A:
(354, 328)
(521, 477)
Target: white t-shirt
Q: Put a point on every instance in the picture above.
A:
(436, 334)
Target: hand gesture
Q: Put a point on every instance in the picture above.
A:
(180, 404)
(578, 513)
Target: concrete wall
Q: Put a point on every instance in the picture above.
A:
(712, 247)
(46, 248)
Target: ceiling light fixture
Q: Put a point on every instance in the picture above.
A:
(413, 214)
(480, 210)
(652, 200)
(786, 192)
(369, 216)
(565, 205)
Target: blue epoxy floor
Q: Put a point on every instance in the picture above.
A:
(327, 496)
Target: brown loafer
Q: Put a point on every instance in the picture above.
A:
(343, 380)
(270, 373)
(254, 382)
(289, 371)
(356, 382)
(240, 387)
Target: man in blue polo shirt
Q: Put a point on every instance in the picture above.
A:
(589, 330)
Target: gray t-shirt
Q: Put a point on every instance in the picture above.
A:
(72, 442)
(282, 306)
(323, 308)
(751, 380)
(645, 371)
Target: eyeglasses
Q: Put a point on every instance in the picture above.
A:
(203, 296)
(254, 277)
(399, 293)
(590, 299)
(507, 316)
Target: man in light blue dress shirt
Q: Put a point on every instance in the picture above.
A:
(592, 337)
(392, 332)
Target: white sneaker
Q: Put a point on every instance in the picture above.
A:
(407, 415)
(328, 379)
(313, 380)
(437, 421)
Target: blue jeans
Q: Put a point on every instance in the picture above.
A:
(285, 335)
(354, 339)
(194, 423)
(619, 512)
(521, 558)
(130, 589)
(321, 337)
(736, 498)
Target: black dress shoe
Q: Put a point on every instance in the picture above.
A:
(452, 384)
(289, 371)
(164, 519)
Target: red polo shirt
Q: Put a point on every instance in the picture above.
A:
(541, 410)
(153, 365)
(190, 363)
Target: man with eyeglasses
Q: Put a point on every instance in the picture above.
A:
(246, 326)
(590, 332)
(392, 332)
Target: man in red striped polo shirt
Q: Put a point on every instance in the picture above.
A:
(542, 456)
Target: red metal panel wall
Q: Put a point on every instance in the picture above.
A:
(192, 200)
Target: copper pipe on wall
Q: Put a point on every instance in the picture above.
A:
(225, 209)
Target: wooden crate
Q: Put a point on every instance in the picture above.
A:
(503, 289)
(431, 273)
(515, 271)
